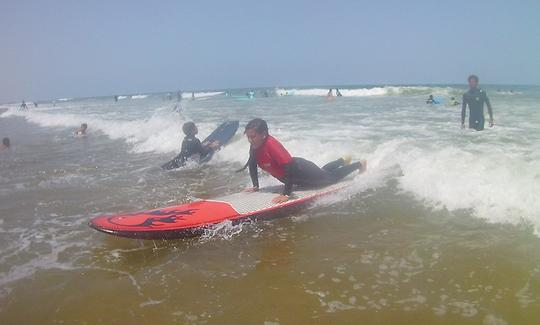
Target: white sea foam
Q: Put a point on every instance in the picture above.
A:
(139, 96)
(187, 95)
(366, 92)
(160, 133)
(494, 185)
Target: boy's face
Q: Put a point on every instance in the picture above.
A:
(255, 139)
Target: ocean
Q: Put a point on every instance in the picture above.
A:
(444, 227)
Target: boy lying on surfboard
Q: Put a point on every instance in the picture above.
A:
(191, 146)
(269, 154)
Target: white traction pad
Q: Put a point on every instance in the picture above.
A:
(249, 203)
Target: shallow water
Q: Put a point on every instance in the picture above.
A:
(442, 229)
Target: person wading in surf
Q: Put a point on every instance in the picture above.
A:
(475, 99)
(269, 154)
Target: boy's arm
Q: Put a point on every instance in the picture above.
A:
(490, 110)
(253, 171)
(463, 110)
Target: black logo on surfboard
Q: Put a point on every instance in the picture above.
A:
(161, 217)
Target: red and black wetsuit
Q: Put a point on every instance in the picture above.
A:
(273, 158)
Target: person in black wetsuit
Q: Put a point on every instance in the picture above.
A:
(475, 99)
(269, 154)
(431, 100)
(191, 146)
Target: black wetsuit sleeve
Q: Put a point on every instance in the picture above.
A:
(197, 147)
(463, 108)
(490, 109)
(253, 172)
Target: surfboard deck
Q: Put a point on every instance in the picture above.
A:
(224, 133)
(191, 219)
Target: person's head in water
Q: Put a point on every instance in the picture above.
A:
(5, 143)
(84, 126)
(430, 96)
(473, 81)
(256, 132)
(190, 129)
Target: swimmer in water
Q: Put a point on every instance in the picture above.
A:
(338, 93)
(453, 102)
(329, 94)
(82, 130)
(5, 144)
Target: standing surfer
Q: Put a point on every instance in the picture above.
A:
(475, 99)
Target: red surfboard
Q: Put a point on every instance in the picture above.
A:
(193, 218)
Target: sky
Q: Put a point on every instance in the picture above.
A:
(57, 49)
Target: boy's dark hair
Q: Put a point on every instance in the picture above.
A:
(84, 125)
(189, 128)
(259, 125)
(5, 142)
(473, 76)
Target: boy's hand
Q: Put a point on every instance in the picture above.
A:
(214, 145)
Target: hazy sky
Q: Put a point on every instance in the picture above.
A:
(52, 49)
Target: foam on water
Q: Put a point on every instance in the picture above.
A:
(497, 185)
(160, 133)
(365, 92)
(139, 96)
(188, 95)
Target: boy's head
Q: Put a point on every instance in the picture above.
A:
(190, 129)
(5, 142)
(256, 132)
(473, 81)
(84, 126)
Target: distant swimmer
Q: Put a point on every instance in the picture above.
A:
(24, 107)
(453, 102)
(329, 94)
(5, 144)
(266, 93)
(191, 146)
(192, 95)
(35, 104)
(82, 130)
(475, 99)
(115, 98)
(267, 153)
(338, 93)
(431, 100)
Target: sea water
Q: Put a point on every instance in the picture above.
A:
(443, 228)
